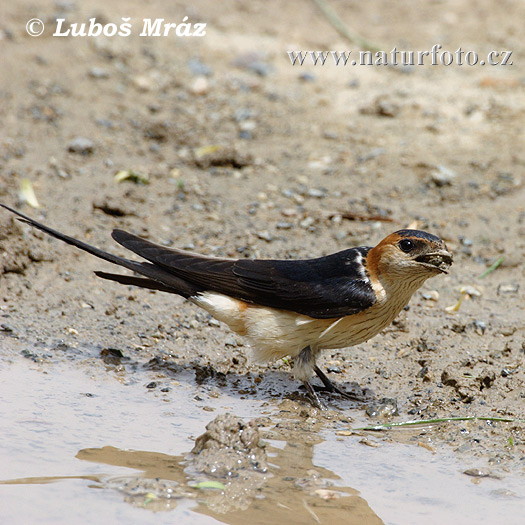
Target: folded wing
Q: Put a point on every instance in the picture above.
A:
(327, 287)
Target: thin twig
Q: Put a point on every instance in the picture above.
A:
(342, 28)
(351, 216)
(423, 422)
(491, 268)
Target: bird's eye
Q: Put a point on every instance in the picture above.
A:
(406, 245)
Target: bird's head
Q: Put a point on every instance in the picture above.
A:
(411, 255)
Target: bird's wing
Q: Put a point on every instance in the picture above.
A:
(327, 287)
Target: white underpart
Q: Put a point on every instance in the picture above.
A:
(278, 333)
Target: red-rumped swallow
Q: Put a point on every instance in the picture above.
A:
(287, 307)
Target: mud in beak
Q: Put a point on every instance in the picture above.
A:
(439, 260)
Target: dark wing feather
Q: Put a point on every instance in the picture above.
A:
(327, 287)
(321, 288)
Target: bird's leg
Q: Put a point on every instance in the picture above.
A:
(331, 387)
(303, 367)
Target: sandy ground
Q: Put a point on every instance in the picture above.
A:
(247, 156)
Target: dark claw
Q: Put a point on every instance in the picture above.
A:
(331, 387)
(314, 398)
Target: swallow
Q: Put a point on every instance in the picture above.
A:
(287, 307)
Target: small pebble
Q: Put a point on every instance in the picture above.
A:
(368, 443)
(307, 222)
(241, 114)
(443, 176)
(199, 86)
(478, 326)
(385, 408)
(307, 77)
(316, 193)
(432, 295)
(327, 494)
(144, 83)
(470, 290)
(199, 68)
(230, 341)
(509, 288)
(265, 235)
(81, 145)
(372, 154)
(479, 473)
(465, 241)
(98, 72)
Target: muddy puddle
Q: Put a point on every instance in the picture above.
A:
(85, 441)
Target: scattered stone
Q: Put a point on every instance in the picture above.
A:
(385, 408)
(159, 130)
(241, 114)
(368, 443)
(322, 163)
(505, 183)
(98, 72)
(247, 125)
(477, 326)
(81, 146)
(254, 62)
(112, 356)
(307, 222)
(217, 155)
(382, 107)
(327, 494)
(470, 291)
(199, 86)
(265, 235)
(432, 295)
(145, 83)
(371, 155)
(230, 341)
(442, 176)
(481, 473)
(316, 193)
(330, 135)
(508, 288)
(307, 77)
(112, 207)
(199, 68)
(425, 374)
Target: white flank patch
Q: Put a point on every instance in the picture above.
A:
(223, 308)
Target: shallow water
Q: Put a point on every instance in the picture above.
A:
(76, 436)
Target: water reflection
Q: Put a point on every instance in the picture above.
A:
(293, 489)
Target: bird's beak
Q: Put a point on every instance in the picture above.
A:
(439, 260)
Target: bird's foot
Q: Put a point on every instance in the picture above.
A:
(329, 386)
(314, 398)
